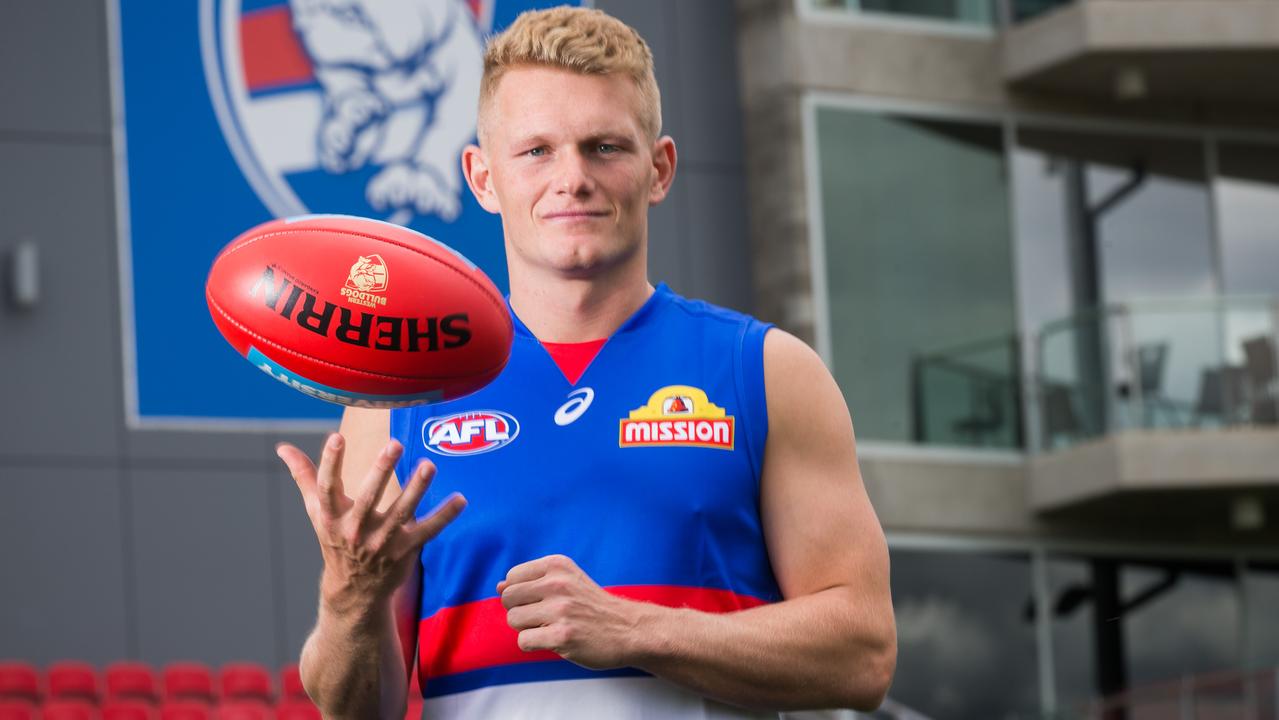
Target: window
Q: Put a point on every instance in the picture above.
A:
(1247, 189)
(1140, 625)
(966, 645)
(1027, 9)
(919, 276)
(1150, 637)
(975, 13)
(1115, 238)
(1261, 582)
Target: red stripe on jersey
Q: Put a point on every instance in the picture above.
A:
(271, 52)
(475, 635)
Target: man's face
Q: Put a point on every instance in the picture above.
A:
(569, 167)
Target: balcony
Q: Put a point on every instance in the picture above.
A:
(1158, 397)
(1167, 50)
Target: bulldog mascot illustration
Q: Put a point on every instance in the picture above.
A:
(401, 81)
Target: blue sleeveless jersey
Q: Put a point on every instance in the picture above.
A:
(645, 472)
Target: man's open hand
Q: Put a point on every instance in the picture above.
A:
(556, 606)
(367, 553)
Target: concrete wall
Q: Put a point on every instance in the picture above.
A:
(168, 545)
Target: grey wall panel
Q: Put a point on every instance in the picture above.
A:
(55, 73)
(205, 447)
(654, 20)
(62, 567)
(61, 359)
(709, 103)
(694, 48)
(718, 242)
(667, 238)
(206, 555)
(309, 442)
(299, 577)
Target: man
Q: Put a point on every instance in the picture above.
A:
(666, 520)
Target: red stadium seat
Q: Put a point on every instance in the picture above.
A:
(19, 680)
(190, 681)
(132, 680)
(291, 683)
(185, 710)
(73, 679)
(128, 709)
(244, 710)
(295, 709)
(17, 710)
(69, 709)
(246, 681)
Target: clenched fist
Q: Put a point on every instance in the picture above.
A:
(556, 606)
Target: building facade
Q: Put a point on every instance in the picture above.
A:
(1038, 245)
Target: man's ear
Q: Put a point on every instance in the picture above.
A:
(664, 160)
(476, 170)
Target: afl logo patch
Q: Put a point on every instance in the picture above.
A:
(469, 433)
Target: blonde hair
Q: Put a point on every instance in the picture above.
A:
(583, 40)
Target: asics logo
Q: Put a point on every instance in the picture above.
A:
(578, 401)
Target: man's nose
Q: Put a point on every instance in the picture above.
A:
(575, 173)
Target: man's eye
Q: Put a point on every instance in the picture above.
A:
(537, 152)
(607, 148)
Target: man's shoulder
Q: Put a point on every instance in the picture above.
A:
(708, 312)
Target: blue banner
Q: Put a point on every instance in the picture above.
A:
(231, 112)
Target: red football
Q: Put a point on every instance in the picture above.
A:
(359, 312)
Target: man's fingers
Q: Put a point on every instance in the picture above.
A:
(534, 569)
(433, 523)
(299, 465)
(538, 638)
(377, 477)
(406, 504)
(523, 617)
(302, 470)
(514, 595)
(328, 477)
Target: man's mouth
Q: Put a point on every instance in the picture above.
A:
(579, 214)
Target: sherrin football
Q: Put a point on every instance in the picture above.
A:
(358, 311)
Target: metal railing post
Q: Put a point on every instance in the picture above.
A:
(1133, 362)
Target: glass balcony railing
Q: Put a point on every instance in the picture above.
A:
(1158, 364)
(969, 395)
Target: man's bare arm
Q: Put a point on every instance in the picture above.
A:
(354, 662)
(830, 643)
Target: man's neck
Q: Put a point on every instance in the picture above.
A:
(567, 310)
